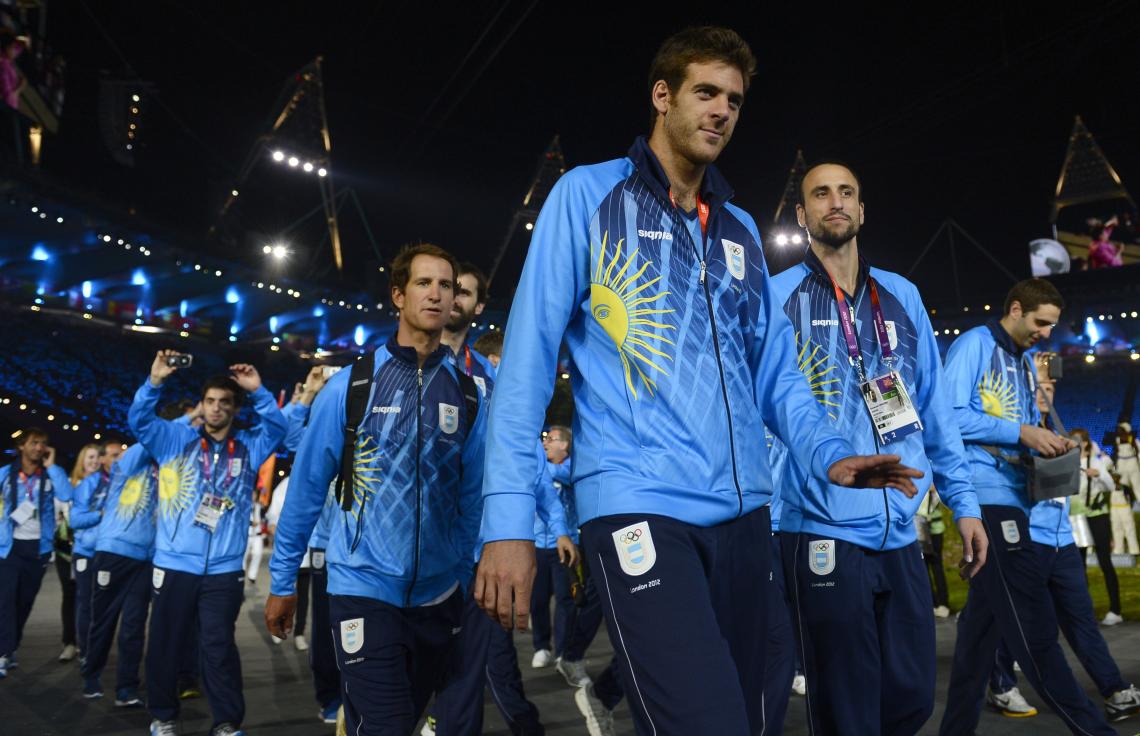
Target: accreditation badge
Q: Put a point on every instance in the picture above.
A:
(892, 411)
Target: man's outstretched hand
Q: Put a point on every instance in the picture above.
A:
(874, 471)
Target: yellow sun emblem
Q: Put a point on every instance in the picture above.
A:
(815, 364)
(131, 494)
(177, 486)
(626, 317)
(999, 397)
(365, 471)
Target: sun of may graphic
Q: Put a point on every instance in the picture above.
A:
(814, 363)
(365, 471)
(999, 398)
(617, 303)
(177, 486)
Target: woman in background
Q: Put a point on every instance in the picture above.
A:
(1092, 501)
(86, 463)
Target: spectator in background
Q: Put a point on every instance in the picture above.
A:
(12, 82)
(1092, 502)
(931, 527)
(1128, 468)
(1103, 253)
(86, 463)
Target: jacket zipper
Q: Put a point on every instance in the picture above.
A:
(210, 536)
(419, 494)
(720, 370)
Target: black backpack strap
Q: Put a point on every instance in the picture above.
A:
(470, 397)
(355, 405)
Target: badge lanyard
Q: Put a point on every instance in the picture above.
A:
(210, 472)
(29, 482)
(467, 355)
(847, 322)
(702, 210)
(892, 413)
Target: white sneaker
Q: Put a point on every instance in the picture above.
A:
(300, 643)
(799, 685)
(1122, 704)
(68, 653)
(1011, 703)
(573, 672)
(941, 612)
(163, 728)
(275, 639)
(599, 721)
(1111, 619)
(542, 658)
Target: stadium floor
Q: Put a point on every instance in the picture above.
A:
(42, 696)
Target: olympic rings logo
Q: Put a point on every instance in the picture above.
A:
(632, 536)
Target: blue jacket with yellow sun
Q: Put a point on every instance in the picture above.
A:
(870, 518)
(192, 464)
(679, 356)
(992, 387)
(128, 523)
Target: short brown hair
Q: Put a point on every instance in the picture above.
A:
(490, 343)
(402, 265)
(467, 268)
(1031, 294)
(695, 45)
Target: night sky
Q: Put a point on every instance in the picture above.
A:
(961, 111)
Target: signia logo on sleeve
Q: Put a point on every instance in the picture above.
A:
(635, 549)
(103, 577)
(157, 577)
(352, 635)
(448, 418)
(1010, 532)
(821, 556)
(734, 257)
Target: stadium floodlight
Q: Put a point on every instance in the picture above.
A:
(280, 251)
(308, 167)
(322, 171)
(293, 161)
(267, 249)
(530, 226)
(797, 239)
(278, 156)
(781, 240)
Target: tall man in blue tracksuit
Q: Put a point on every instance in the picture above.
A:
(124, 547)
(86, 510)
(993, 385)
(28, 489)
(678, 355)
(861, 603)
(1052, 535)
(205, 494)
(399, 560)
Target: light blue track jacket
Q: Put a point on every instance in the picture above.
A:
(873, 518)
(678, 353)
(418, 472)
(992, 386)
(192, 464)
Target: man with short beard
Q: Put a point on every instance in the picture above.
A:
(861, 603)
(470, 300)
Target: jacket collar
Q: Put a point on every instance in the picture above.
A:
(816, 268)
(1002, 338)
(409, 355)
(715, 190)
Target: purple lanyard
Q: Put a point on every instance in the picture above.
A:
(847, 322)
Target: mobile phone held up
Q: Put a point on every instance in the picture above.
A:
(181, 360)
